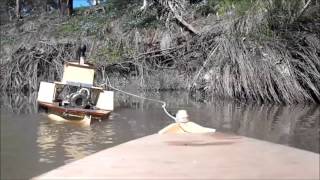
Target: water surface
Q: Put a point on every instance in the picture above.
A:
(32, 145)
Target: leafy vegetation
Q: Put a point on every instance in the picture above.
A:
(223, 7)
(7, 40)
(239, 6)
(82, 25)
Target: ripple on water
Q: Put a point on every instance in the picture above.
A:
(28, 139)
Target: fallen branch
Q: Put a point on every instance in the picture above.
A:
(182, 21)
(303, 9)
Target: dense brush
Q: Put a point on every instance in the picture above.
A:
(253, 50)
(282, 66)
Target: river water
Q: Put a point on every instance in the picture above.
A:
(32, 145)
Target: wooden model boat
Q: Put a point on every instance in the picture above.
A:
(75, 95)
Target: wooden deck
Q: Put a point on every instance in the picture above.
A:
(193, 156)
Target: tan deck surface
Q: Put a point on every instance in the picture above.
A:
(193, 156)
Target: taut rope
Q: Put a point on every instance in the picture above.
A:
(154, 100)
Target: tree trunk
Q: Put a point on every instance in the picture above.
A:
(70, 7)
(18, 9)
(60, 6)
(46, 5)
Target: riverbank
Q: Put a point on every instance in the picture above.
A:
(245, 50)
(193, 156)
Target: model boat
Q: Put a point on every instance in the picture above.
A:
(75, 95)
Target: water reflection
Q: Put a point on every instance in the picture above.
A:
(20, 103)
(279, 124)
(29, 139)
(70, 141)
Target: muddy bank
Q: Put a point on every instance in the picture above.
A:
(247, 51)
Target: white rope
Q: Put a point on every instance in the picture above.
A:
(154, 100)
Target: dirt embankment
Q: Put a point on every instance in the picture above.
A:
(249, 51)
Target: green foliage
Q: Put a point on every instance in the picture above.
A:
(121, 4)
(239, 6)
(97, 24)
(112, 55)
(119, 8)
(84, 25)
(113, 51)
(7, 40)
(134, 18)
(148, 21)
(222, 7)
(67, 29)
(210, 8)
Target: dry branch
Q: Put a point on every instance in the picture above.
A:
(182, 21)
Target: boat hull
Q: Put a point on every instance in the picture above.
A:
(77, 120)
(59, 110)
(193, 156)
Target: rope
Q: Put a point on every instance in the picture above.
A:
(154, 100)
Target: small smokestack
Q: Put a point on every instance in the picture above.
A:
(83, 50)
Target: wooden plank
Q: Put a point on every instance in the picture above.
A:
(193, 156)
(76, 111)
(76, 64)
(65, 84)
